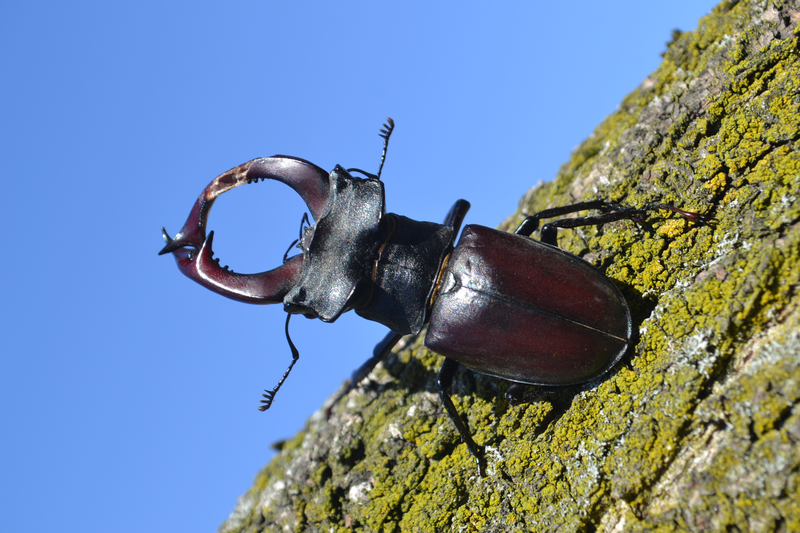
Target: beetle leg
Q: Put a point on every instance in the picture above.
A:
(444, 383)
(612, 213)
(549, 234)
(625, 213)
(380, 352)
(456, 215)
(515, 394)
(519, 393)
(531, 222)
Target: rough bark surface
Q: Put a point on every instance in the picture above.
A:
(699, 428)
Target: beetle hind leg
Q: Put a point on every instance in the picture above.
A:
(610, 212)
(531, 222)
(519, 393)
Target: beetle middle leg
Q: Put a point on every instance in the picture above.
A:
(444, 383)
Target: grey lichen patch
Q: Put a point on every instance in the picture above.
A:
(738, 465)
(698, 428)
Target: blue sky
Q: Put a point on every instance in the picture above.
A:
(129, 393)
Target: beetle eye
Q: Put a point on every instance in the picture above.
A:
(187, 253)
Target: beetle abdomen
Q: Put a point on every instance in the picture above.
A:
(522, 310)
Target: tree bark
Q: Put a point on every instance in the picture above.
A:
(698, 429)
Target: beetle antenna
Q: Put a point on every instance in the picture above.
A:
(269, 395)
(386, 132)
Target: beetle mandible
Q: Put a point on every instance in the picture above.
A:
(500, 304)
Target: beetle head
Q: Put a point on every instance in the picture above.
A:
(192, 248)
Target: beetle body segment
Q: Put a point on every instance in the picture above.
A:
(406, 269)
(522, 310)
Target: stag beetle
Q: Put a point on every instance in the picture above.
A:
(498, 303)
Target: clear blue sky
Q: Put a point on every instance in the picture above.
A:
(129, 393)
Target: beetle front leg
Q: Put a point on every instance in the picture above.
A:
(444, 383)
(380, 352)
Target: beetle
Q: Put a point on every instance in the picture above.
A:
(498, 303)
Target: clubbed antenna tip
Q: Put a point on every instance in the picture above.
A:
(385, 133)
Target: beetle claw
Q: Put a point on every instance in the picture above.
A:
(481, 460)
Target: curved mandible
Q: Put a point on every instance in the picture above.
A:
(310, 182)
(263, 288)
(192, 249)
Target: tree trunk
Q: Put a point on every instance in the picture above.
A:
(698, 428)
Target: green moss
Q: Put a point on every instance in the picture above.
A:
(698, 428)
